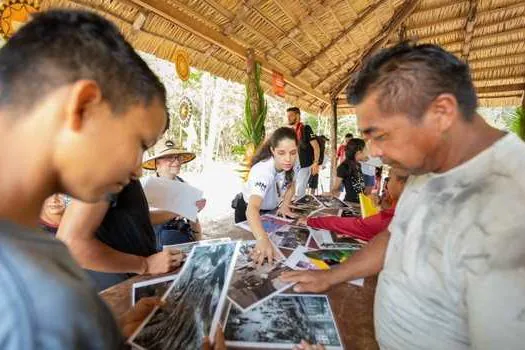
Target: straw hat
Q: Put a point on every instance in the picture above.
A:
(165, 148)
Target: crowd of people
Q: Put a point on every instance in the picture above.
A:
(448, 250)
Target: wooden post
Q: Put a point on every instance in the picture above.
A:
(333, 142)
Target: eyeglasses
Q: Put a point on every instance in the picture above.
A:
(173, 158)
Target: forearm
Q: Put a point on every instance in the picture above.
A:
(254, 220)
(366, 262)
(288, 195)
(317, 151)
(94, 255)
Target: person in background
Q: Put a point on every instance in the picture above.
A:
(341, 150)
(52, 212)
(114, 240)
(271, 177)
(313, 182)
(367, 228)
(167, 162)
(309, 150)
(349, 172)
(451, 264)
(84, 118)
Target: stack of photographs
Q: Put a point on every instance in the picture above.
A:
(325, 258)
(306, 202)
(283, 321)
(194, 302)
(290, 237)
(331, 202)
(252, 284)
(271, 223)
(186, 248)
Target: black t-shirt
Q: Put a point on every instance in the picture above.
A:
(352, 180)
(127, 225)
(306, 151)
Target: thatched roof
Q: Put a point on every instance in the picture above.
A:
(317, 44)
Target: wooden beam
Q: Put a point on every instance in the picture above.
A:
(333, 143)
(469, 28)
(500, 88)
(163, 9)
(364, 15)
(397, 19)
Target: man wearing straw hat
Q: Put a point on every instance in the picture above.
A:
(170, 227)
(452, 262)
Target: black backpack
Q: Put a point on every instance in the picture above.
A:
(321, 139)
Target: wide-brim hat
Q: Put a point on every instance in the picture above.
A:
(165, 148)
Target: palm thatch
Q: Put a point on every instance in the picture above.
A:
(318, 44)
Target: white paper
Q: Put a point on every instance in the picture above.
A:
(358, 282)
(321, 236)
(173, 196)
(151, 282)
(298, 261)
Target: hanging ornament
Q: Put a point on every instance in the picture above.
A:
(182, 64)
(14, 13)
(185, 111)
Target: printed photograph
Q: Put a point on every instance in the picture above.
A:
(348, 213)
(186, 319)
(324, 258)
(331, 202)
(324, 212)
(342, 245)
(271, 223)
(152, 288)
(306, 202)
(283, 321)
(253, 284)
(298, 261)
(186, 247)
(245, 253)
(290, 237)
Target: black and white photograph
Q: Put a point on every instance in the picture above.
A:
(186, 248)
(331, 202)
(282, 321)
(306, 202)
(185, 319)
(156, 287)
(349, 213)
(290, 237)
(329, 240)
(252, 284)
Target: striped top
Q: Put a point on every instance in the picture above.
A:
(454, 274)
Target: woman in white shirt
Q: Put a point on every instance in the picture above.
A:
(271, 177)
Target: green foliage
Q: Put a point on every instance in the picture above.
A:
(515, 122)
(253, 128)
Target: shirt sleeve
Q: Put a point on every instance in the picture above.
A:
(342, 171)
(356, 227)
(259, 185)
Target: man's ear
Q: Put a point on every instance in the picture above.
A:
(445, 110)
(84, 94)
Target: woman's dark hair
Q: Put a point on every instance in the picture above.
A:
(264, 151)
(352, 147)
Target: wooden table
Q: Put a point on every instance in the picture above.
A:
(352, 305)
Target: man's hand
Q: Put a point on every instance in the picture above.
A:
(308, 281)
(305, 346)
(285, 211)
(134, 317)
(165, 261)
(218, 344)
(314, 169)
(201, 203)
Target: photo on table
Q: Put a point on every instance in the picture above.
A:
(156, 287)
(329, 240)
(252, 284)
(270, 223)
(299, 261)
(245, 253)
(331, 201)
(184, 319)
(306, 202)
(325, 258)
(290, 237)
(282, 321)
(186, 248)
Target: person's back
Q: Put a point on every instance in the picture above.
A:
(43, 294)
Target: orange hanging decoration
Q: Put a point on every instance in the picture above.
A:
(14, 13)
(182, 65)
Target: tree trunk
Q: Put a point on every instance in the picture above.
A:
(217, 93)
(251, 84)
